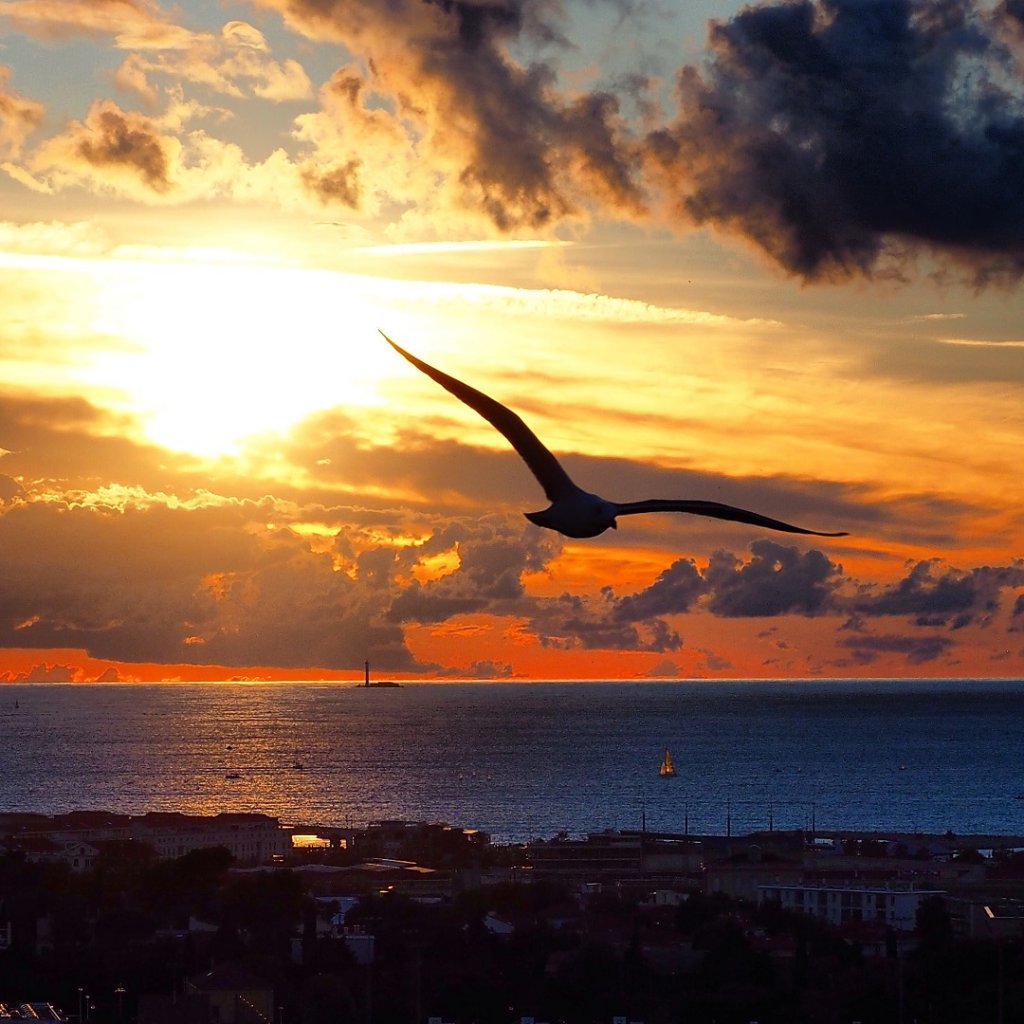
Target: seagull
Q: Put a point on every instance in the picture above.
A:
(573, 511)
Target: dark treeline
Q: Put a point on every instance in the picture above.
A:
(77, 939)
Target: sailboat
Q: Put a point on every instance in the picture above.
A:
(667, 767)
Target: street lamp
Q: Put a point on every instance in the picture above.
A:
(119, 992)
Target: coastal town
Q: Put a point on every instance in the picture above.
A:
(168, 918)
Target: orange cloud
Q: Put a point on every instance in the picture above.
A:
(116, 149)
(182, 562)
(19, 116)
(237, 63)
(353, 144)
(135, 24)
(155, 160)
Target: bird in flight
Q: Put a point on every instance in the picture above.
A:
(573, 511)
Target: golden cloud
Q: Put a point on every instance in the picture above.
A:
(135, 24)
(236, 63)
(19, 116)
(119, 150)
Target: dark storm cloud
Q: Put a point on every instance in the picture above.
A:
(570, 622)
(489, 670)
(291, 608)
(776, 581)
(826, 131)
(675, 590)
(917, 649)
(949, 597)
(120, 584)
(209, 585)
(526, 154)
(492, 556)
(839, 136)
(1017, 616)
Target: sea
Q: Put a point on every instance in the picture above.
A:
(530, 760)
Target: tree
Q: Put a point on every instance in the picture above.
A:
(187, 885)
(933, 925)
(268, 905)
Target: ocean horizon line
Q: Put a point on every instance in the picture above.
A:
(357, 682)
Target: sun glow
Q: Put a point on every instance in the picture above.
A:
(208, 354)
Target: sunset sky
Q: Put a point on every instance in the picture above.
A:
(769, 255)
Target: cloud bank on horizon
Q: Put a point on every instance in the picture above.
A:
(840, 137)
(172, 571)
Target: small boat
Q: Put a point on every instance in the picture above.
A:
(667, 767)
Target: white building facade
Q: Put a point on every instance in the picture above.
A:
(894, 906)
(251, 838)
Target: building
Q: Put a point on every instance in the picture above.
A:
(427, 842)
(76, 838)
(893, 906)
(251, 838)
(986, 916)
(605, 856)
(53, 849)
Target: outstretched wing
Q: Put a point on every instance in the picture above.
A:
(716, 510)
(544, 466)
